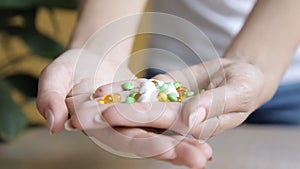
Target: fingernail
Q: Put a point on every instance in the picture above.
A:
(99, 118)
(92, 96)
(171, 155)
(197, 117)
(50, 121)
(69, 127)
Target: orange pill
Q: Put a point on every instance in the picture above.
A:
(182, 91)
(107, 99)
(137, 96)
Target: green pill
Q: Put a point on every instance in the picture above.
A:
(190, 94)
(164, 87)
(128, 86)
(172, 98)
(130, 100)
(177, 84)
(202, 91)
(133, 94)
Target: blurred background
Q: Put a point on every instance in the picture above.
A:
(34, 32)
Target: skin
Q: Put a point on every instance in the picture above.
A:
(57, 89)
(245, 77)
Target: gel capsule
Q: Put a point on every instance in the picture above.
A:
(182, 91)
(172, 98)
(130, 100)
(128, 86)
(106, 99)
(116, 97)
(177, 84)
(202, 91)
(162, 97)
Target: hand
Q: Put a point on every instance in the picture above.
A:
(235, 89)
(177, 149)
(74, 72)
(65, 81)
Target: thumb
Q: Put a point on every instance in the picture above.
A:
(236, 98)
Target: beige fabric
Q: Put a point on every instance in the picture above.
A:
(247, 147)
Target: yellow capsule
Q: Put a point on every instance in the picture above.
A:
(182, 91)
(101, 102)
(162, 97)
(107, 99)
(155, 82)
(116, 97)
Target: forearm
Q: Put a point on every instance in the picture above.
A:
(94, 14)
(269, 37)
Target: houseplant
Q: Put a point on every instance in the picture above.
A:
(12, 117)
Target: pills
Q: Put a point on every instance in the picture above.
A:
(162, 97)
(116, 97)
(190, 94)
(106, 99)
(128, 86)
(182, 91)
(177, 84)
(137, 96)
(130, 100)
(202, 91)
(155, 82)
(164, 87)
(172, 98)
(149, 91)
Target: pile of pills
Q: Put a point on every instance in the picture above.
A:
(150, 91)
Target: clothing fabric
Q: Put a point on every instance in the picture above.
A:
(220, 21)
(283, 108)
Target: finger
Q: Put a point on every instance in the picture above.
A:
(192, 153)
(177, 150)
(237, 95)
(55, 82)
(239, 91)
(206, 149)
(85, 113)
(164, 115)
(194, 77)
(134, 140)
(217, 125)
(116, 87)
(230, 121)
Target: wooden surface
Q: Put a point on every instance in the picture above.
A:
(247, 147)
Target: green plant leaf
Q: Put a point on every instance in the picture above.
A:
(21, 4)
(26, 84)
(18, 4)
(38, 43)
(66, 4)
(30, 17)
(12, 119)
